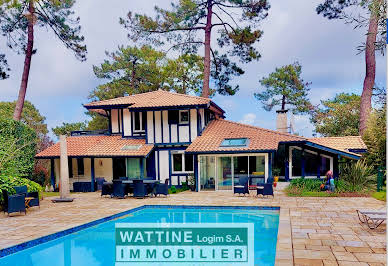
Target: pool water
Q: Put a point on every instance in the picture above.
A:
(96, 245)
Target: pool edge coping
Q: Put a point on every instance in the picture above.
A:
(44, 239)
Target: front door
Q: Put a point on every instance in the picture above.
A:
(119, 168)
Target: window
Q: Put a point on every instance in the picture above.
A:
(140, 121)
(183, 117)
(234, 142)
(173, 116)
(182, 162)
(130, 147)
(80, 166)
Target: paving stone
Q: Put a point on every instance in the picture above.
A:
(371, 257)
(346, 256)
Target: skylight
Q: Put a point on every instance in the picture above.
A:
(234, 142)
(130, 147)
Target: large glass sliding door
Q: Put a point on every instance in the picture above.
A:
(224, 173)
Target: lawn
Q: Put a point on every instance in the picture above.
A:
(382, 195)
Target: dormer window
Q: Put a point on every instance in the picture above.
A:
(183, 117)
(238, 142)
(140, 121)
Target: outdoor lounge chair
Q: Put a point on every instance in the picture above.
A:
(139, 189)
(107, 189)
(266, 190)
(372, 218)
(14, 203)
(242, 187)
(35, 195)
(100, 181)
(118, 189)
(162, 189)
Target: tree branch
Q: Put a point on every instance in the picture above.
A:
(172, 47)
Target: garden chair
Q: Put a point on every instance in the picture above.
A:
(35, 195)
(118, 189)
(162, 189)
(372, 218)
(267, 190)
(107, 189)
(139, 189)
(100, 181)
(242, 187)
(13, 203)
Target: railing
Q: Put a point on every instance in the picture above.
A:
(89, 132)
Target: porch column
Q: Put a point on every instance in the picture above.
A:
(303, 164)
(92, 173)
(335, 166)
(196, 173)
(52, 173)
(270, 165)
(319, 165)
(286, 163)
(141, 168)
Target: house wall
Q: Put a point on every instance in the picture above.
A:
(115, 119)
(102, 167)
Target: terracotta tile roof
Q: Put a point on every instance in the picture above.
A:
(159, 98)
(342, 143)
(99, 146)
(259, 138)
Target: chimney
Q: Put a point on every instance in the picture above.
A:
(281, 121)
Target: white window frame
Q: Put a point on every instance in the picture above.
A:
(180, 116)
(182, 153)
(141, 122)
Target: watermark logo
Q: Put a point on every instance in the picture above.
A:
(184, 244)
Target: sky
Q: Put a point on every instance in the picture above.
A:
(327, 50)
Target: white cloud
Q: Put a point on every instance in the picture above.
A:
(249, 118)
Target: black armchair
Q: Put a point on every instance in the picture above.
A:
(107, 189)
(162, 189)
(242, 187)
(267, 190)
(14, 203)
(100, 181)
(139, 189)
(118, 189)
(35, 195)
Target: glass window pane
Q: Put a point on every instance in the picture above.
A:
(184, 116)
(137, 121)
(296, 162)
(240, 164)
(189, 163)
(177, 162)
(224, 173)
(133, 168)
(234, 142)
(256, 169)
(325, 165)
(311, 165)
(207, 172)
(80, 166)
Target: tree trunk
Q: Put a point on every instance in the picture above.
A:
(283, 102)
(206, 69)
(27, 63)
(369, 81)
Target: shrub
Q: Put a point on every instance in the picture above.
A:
(7, 183)
(184, 186)
(304, 184)
(357, 175)
(172, 189)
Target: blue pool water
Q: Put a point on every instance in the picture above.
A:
(96, 245)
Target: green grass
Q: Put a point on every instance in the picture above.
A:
(382, 195)
(49, 194)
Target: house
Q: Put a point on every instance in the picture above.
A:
(164, 135)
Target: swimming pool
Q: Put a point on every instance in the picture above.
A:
(94, 243)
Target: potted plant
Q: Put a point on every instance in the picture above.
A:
(191, 181)
(276, 173)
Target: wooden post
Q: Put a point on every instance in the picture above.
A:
(319, 164)
(52, 173)
(286, 164)
(92, 173)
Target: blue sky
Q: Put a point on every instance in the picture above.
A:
(59, 84)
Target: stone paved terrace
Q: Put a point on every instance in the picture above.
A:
(312, 231)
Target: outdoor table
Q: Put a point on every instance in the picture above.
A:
(150, 184)
(27, 201)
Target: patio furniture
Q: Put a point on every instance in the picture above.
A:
(100, 181)
(372, 218)
(34, 201)
(122, 178)
(265, 189)
(107, 189)
(14, 203)
(118, 189)
(162, 189)
(82, 186)
(242, 187)
(139, 189)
